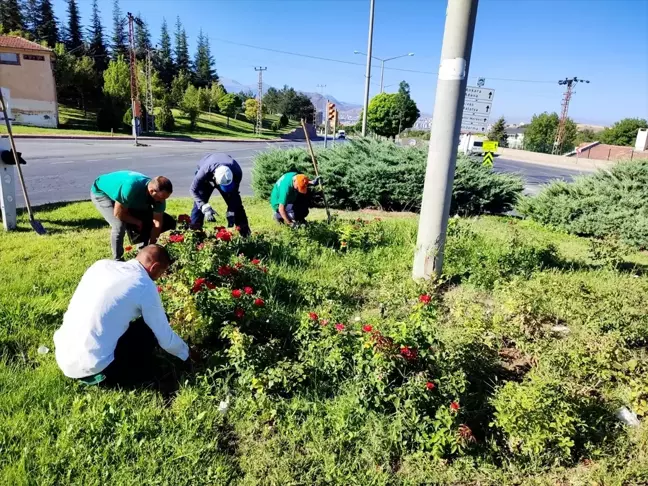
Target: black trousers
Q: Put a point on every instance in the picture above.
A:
(134, 361)
(138, 237)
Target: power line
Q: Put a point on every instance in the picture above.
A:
(352, 63)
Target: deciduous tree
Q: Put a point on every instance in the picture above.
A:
(541, 133)
(624, 132)
(190, 105)
(117, 81)
(251, 106)
(389, 114)
(229, 105)
(216, 92)
(178, 88)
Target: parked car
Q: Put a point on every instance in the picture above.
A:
(341, 134)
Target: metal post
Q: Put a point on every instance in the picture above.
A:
(368, 72)
(382, 73)
(446, 123)
(326, 124)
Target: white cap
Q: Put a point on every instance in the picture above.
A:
(223, 176)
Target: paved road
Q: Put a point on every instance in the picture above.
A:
(63, 170)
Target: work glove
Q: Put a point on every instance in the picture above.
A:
(315, 181)
(208, 211)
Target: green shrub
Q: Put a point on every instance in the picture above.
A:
(283, 121)
(608, 203)
(275, 126)
(164, 120)
(368, 173)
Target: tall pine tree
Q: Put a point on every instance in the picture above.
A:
(119, 36)
(164, 58)
(142, 37)
(183, 63)
(31, 14)
(47, 29)
(73, 34)
(204, 62)
(498, 132)
(11, 17)
(97, 46)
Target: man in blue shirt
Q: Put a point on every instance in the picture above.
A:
(130, 201)
(221, 172)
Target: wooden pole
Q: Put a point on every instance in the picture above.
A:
(314, 160)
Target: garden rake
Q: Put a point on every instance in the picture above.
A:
(35, 224)
(314, 159)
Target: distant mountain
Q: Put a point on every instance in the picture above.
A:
(233, 86)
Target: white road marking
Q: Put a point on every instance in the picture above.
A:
(123, 158)
(65, 162)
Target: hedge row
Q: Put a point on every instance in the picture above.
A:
(367, 173)
(609, 203)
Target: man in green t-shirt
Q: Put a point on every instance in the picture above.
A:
(289, 198)
(132, 202)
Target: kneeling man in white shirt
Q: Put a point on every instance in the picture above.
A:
(115, 318)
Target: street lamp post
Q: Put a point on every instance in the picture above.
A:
(382, 64)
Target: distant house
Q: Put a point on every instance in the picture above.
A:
(26, 71)
(516, 137)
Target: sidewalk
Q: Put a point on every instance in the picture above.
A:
(560, 161)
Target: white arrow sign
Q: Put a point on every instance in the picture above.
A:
(476, 107)
(479, 94)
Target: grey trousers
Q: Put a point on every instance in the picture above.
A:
(106, 207)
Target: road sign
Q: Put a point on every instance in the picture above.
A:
(490, 145)
(481, 82)
(472, 107)
(488, 159)
(475, 120)
(470, 128)
(475, 93)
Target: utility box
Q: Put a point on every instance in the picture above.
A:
(642, 140)
(7, 189)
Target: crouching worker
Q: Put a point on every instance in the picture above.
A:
(115, 321)
(223, 173)
(290, 200)
(134, 203)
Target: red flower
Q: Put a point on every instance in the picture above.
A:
(225, 270)
(256, 261)
(210, 285)
(239, 313)
(198, 284)
(264, 269)
(200, 246)
(339, 327)
(248, 290)
(410, 354)
(312, 316)
(454, 407)
(430, 386)
(176, 238)
(238, 228)
(236, 293)
(324, 322)
(425, 299)
(128, 248)
(159, 289)
(367, 328)
(224, 235)
(259, 302)
(184, 218)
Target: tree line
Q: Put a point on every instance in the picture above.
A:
(92, 69)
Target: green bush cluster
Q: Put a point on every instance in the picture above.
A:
(609, 203)
(367, 173)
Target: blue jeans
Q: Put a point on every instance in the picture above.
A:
(234, 206)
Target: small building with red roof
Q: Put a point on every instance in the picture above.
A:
(27, 76)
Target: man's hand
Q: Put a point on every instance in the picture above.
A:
(208, 211)
(315, 181)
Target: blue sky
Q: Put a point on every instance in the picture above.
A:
(521, 47)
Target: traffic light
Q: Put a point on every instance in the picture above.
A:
(330, 110)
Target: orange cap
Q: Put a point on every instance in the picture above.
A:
(301, 181)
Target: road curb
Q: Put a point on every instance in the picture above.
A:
(145, 139)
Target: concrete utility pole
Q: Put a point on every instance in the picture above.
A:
(259, 120)
(368, 72)
(446, 123)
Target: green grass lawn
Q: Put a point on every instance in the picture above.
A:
(210, 125)
(502, 296)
